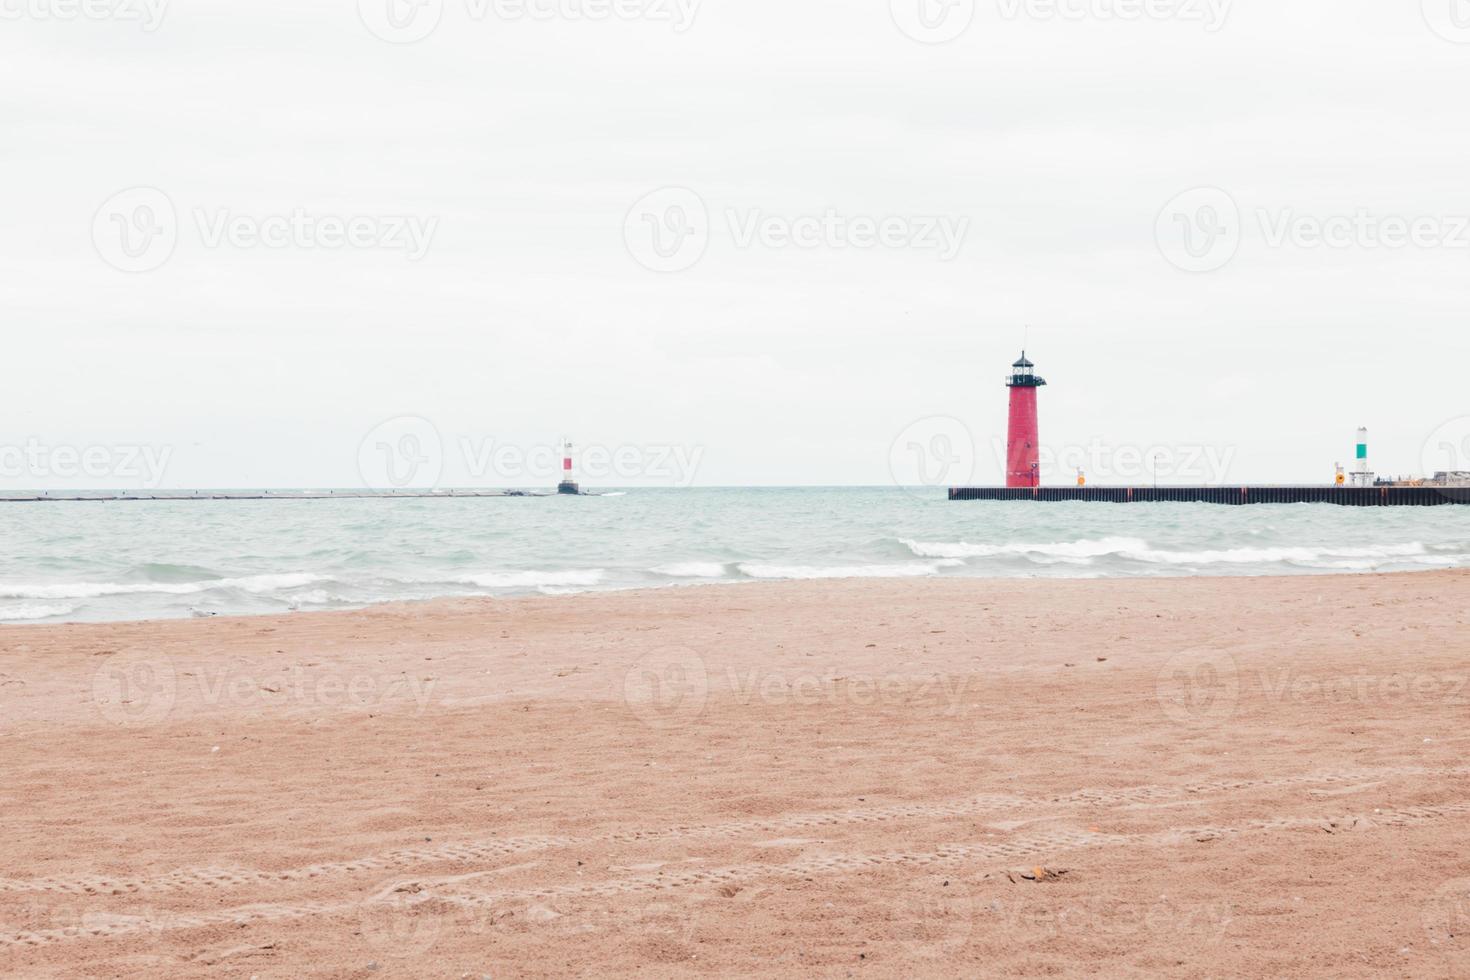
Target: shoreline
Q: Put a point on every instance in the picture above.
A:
(578, 593)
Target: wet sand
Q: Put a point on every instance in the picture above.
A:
(1188, 777)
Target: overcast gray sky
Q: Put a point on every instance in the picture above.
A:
(862, 222)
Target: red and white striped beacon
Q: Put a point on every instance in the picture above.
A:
(568, 485)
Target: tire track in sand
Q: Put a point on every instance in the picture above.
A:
(402, 859)
(822, 864)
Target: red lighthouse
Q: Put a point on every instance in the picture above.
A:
(1023, 443)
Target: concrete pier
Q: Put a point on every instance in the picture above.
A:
(1426, 496)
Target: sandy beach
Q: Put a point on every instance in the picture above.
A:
(1260, 777)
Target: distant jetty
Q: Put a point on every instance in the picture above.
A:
(1388, 496)
(80, 497)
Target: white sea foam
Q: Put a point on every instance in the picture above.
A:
(1060, 549)
(536, 580)
(1136, 549)
(1440, 561)
(1272, 556)
(32, 610)
(254, 584)
(908, 570)
(692, 569)
(265, 584)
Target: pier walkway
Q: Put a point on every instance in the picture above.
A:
(1425, 496)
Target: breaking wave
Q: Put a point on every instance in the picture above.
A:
(1269, 556)
(1138, 550)
(32, 610)
(692, 569)
(254, 584)
(575, 578)
(761, 570)
(1061, 549)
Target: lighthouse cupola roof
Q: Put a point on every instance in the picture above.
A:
(1023, 374)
